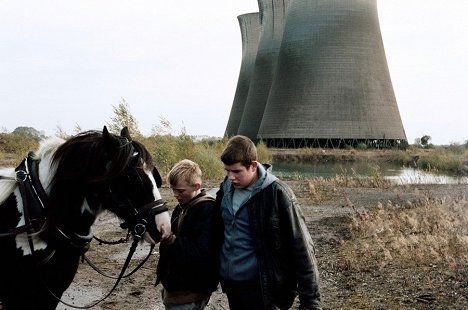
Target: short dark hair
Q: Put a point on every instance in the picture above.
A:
(239, 149)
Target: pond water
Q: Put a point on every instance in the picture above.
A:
(398, 174)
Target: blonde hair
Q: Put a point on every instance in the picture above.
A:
(186, 170)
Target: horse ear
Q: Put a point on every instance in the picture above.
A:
(110, 141)
(125, 133)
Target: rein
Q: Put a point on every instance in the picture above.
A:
(151, 209)
(136, 239)
(121, 240)
(139, 230)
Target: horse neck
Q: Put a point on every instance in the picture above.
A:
(47, 170)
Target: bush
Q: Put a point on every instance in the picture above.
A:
(361, 146)
(14, 147)
(168, 149)
(456, 148)
(263, 155)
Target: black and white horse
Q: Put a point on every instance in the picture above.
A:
(49, 203)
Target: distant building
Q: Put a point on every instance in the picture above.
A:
(330, 86)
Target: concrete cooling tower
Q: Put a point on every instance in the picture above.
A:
(272, 17)
(331, 85)
(250, 33)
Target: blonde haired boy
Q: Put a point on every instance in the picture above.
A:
(188, 266)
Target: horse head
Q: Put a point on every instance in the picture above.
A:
(133, 194)
(101, 171)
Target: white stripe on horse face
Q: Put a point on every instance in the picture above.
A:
(156, 193)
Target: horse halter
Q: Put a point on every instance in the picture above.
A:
(138, 218)
(147, 222)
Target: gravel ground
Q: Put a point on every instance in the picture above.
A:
(423, 287)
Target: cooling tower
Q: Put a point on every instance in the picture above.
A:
(272, 17)
(250, 33)
(332, 85)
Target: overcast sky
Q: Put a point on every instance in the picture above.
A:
(67, 63)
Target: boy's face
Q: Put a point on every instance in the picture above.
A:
(241, 176)
(183, 191)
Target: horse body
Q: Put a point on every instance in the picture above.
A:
(42, 239)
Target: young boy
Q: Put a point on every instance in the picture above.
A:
(267, 256)
(188, 265)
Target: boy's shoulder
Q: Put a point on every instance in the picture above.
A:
(204, 197)
(280, 185)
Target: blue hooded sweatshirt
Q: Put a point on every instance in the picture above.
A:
(238, 261)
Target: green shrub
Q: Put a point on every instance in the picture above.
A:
(403, 159)
(208, 160)
(361, 146)
(263, 155)
(456, 148)
(441, 161)
(168, 149)
(163, 149)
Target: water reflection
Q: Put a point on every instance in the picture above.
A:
(413, 176)
(400, 175)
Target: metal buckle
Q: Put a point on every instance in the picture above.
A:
(139, 229)
(20, 175)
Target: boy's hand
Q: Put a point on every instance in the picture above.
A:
(169, 240)
(163, 224)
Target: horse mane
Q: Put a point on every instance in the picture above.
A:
(45, 154)
(145, 156)
(85, 157)
(46, 148)
(6, 185)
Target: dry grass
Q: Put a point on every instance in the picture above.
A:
(321, 189)
(424, 232)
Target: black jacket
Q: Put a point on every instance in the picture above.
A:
(191, 262)
(284, 248)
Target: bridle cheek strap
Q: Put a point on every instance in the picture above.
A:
(152, 209)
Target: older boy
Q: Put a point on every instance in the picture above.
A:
(267, 256)
(188, 266)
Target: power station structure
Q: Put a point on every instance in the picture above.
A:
(320, 77)
(250, 33)
(272, 18)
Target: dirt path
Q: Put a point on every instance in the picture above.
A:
(391, 288)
